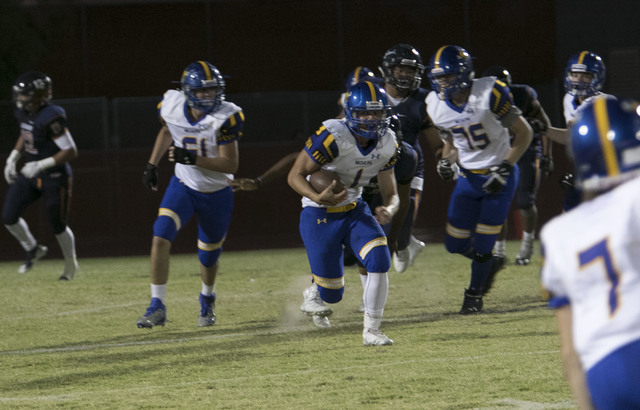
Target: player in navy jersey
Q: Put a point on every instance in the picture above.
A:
(46, 145)
(200, 130)
(476, 118)
(591, 260)
(402, 69)
(537, 160)
(357, 147)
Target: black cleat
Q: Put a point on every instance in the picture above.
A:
(472, 302)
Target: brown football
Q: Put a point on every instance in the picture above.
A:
(322, 178)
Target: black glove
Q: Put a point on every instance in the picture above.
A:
(150, 177)
(537, 126)
(546, 165)
(568, 181)
(183, 156)
(498, 175)
(445, 170)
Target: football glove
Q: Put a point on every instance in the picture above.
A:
(568, 181)
(33, 168)
(183, 156)
(445, 170)
(546, 165)
(10, 173)
(498, 175)
(537, 126)
(150, 177)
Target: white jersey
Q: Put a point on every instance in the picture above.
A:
(336, 149)
(202, 136)
(592, 262)
(571, 106)
(478, 134)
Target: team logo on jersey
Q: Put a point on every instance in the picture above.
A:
(322, 221)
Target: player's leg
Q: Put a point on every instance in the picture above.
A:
(175, 210)
(20, 196)
(370, 245)
(529, 182)
(57, 197)
(214, 212)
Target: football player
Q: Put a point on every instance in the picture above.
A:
(357, 147)
(46, 145)
(200, 130)
(476, 118)
(402, 69)
(535, 161)
(591, 262)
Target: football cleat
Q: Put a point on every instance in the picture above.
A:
(313, 304)
(498, 262)
(401, 260)
(415, 247)
(526, 251)
(33, 255)
(156, 315)
(472, 302)
(321, 321)
(207, 310)
(69, 271)
(374, 337)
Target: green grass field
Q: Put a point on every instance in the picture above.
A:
(76, 345)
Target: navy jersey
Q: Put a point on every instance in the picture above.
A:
(523, 97)
(40, 131)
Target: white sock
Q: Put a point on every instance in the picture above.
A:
(500, 247)
(363, 279)
(206, 290)
(20, 231)
(528, 236)
(67, 242)
(159, 291)
(375, 294)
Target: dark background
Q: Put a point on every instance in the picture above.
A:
(112, 60)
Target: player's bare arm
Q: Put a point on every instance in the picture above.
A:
(163, 142)
(296, 179)
(522, 136)
(277, 170)
(227, 161)
(390, 199)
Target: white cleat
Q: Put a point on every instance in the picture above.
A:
(374, 337)
(415, 247)
(526, 251)
(313, 304)
(401, 260)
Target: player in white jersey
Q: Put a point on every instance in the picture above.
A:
(201, 132)
(591, 260)
(357, 147)
(476, 117)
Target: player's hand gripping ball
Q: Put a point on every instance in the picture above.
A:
(322, 178)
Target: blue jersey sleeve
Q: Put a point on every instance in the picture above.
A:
(500, 101)
(322, 146)
(232, 129)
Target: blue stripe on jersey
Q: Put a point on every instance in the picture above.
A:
(232, 129)
(321, 146)
(500, 101)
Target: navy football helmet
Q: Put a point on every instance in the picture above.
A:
(198, 75)
(584, 62)
(367, 97)
(605, 142)
(499, 72)
(32, 90)
(359, 74)
(451, 60)
(402, 55)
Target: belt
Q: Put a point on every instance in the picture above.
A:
(478, 171)
(343, 208)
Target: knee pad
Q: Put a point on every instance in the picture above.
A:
(456, 245)
(331, 295)
(378, 259)
(209, 258)
(166, 227)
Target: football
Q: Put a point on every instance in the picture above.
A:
(322, 178)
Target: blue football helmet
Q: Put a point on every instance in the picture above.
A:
(584, 62)
(450, 60)
(198, 75)
(367, 97)
(402, 55)
(605, 142)
(359, 74)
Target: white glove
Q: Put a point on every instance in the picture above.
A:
(31, 169)
(10, 173)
